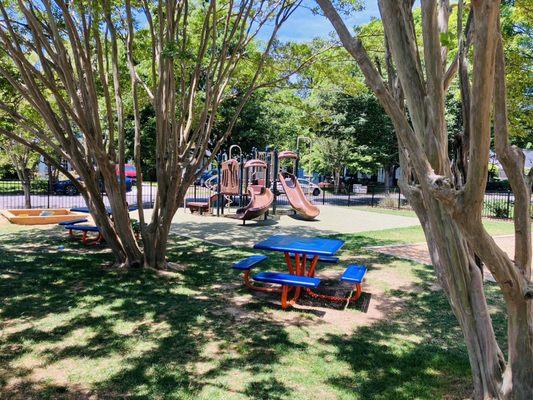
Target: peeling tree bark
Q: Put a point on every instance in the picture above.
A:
(447, 204)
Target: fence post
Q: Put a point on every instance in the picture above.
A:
(49, 184)
(399, 199)
(219, 167)
(349, 197)
(323, 196)
(194, 185)
(509, 204)
(373, 193)
(275, 181)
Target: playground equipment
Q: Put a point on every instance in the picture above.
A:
(202, 206)
(260, 196)
(296, 196)
(39, 216)
(237, 181)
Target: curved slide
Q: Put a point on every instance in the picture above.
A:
(260, 200)
(297, 197)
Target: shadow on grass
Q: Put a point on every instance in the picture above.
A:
(138, 334)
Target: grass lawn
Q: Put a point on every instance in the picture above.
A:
(72, 328)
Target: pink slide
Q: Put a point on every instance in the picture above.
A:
(297, 197)
(260, 200)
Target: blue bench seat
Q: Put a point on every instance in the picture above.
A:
(286, 279)
(322, 259)
(354, 274)
(83, 228)
(73, 222)
(250, 262)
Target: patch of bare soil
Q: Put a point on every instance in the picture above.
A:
(373, 305)
(3, 221)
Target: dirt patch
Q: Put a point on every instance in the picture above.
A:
(373, 306)
(419, 252)
(3, 220)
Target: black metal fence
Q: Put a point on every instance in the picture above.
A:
(43, 195)
(498, 204)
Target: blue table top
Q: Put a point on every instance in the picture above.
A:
(108, 209)
(299, 244)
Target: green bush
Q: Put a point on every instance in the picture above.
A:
(499, 209)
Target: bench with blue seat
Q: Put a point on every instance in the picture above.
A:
(73, 222)
(354, 274)
(85, 229)
(249, 262)
(287, 281)
(246, 265)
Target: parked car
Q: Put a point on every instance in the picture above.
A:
(129, 170)
(306, 185)
(68, 188)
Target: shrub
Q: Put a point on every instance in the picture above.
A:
(389, 202)
(498, 209)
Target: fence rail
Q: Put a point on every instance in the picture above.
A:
(497, 204)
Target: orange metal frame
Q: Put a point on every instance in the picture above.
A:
(301, 264)
(85, 239)
(299, 268)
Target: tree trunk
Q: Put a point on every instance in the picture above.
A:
(518, 378)
(117, 232)
(388, 173)
(462, 280)
(451, 215)
(26, 188)
(25, 182)
(155, 244)
(336, 181)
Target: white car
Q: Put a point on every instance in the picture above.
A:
(308, 187)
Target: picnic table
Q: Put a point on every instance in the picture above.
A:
(307, 252)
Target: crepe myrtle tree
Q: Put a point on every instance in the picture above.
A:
(69, 55)
(448, 199)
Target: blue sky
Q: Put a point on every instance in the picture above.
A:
(303, 25)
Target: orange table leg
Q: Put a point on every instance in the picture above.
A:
(284, 293)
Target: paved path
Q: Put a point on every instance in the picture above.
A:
(332, 220)
(419, 251)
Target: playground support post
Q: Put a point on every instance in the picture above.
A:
(296, 164)
(241, 180)
(267, 172)
(218, 183)
(275, 181)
